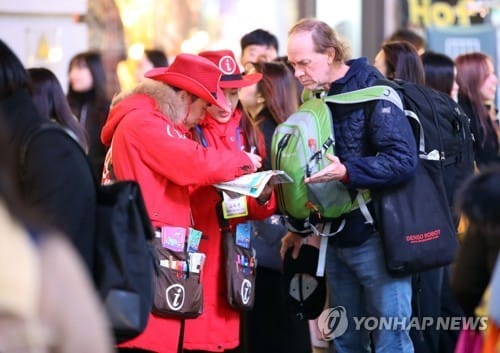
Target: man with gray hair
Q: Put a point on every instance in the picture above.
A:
(374, 148)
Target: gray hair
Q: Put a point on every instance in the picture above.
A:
(323, 36)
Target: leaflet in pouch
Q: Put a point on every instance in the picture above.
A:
(173, 238)
(243, 234)
(253, 184)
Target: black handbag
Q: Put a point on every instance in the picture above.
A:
(240, 266)
(240, 273)
(415, 222)
(178, 291)
(124, 258)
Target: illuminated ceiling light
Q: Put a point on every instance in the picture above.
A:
(129, 17)
(136, 51)
(196, 43)
(55, 54)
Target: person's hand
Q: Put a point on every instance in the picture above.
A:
(256, 160)
(333, 171)
(265, 194)
(291, 240)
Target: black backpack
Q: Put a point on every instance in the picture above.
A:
(124, 259)
(454, 134)
(446, 126)
(414, 218)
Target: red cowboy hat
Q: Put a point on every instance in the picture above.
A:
(231, 76)
(193, 74)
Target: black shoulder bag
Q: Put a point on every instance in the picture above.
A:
(240, 267)
(123, 252)
(413, 218)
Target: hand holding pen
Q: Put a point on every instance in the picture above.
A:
(255, 158)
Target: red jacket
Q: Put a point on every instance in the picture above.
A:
(149, 148)
(218, 328)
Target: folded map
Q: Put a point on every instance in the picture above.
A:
(253, 184)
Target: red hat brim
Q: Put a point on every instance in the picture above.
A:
(244, 81)
(188, 84)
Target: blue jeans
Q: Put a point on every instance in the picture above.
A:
(359, 281)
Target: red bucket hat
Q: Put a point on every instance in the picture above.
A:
(195, 75)
(231, 75)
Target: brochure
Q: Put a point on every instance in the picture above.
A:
(253, 184)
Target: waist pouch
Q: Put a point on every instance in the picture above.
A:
(240, 273)
(177, 289)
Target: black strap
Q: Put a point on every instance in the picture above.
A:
(180, 342)
(223, 223)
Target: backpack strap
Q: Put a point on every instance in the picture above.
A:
(378, 92)
(367, 94)
(326, 233)
(363, 208)
(421, 143)
(320, 268)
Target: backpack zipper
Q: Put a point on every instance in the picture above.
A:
(281, 145)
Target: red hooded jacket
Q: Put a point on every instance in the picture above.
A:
(218, 328)
(149, 145)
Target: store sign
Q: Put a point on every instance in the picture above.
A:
(454, 41)
(439, 13)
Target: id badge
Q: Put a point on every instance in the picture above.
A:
(233, 208)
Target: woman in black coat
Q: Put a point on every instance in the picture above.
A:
(89, 102)
(477, 83)
(54, 178)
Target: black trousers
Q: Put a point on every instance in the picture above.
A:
(433, 297)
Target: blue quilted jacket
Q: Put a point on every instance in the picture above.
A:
(377, 149)
(375, 143)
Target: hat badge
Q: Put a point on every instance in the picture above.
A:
(227, 65)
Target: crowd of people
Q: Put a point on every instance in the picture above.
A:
(208, 118)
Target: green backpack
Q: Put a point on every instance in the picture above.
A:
(299, 146)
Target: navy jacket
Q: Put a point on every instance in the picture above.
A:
(378, 149)
(375, 143)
